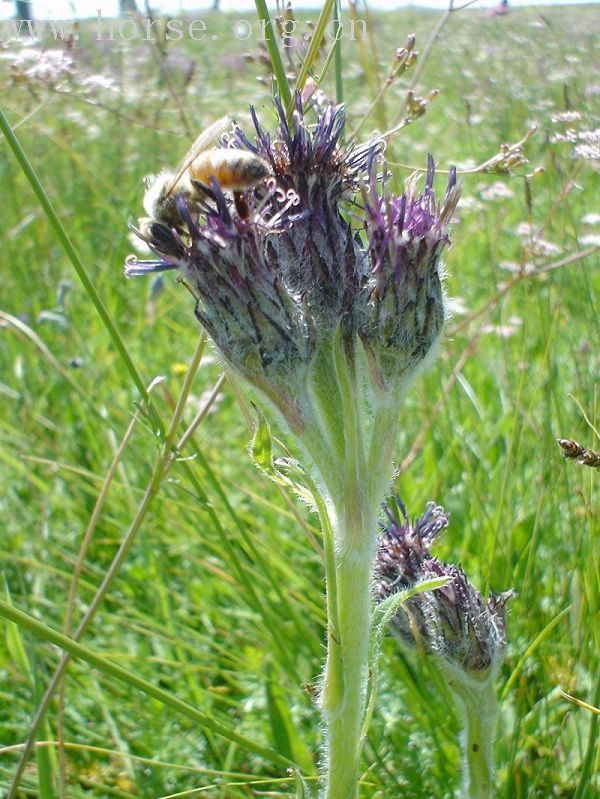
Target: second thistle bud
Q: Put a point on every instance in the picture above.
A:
(454, 623)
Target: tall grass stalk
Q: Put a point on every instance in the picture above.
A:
(274, 54)
(73, 256)
(313, 49)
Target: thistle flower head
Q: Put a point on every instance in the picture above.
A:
(277, 281)
(453, 622)
(404, 311)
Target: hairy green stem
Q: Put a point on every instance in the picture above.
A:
(347, 442)
(381, 448)
(344, 684)
(352, 503)
(478, 708)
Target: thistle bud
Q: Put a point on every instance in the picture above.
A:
(404, 305)
(453, 623)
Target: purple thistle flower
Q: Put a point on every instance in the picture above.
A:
(404, 305)
(275, 283)
(453, 622)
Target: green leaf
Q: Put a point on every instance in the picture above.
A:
(261, 452)
(386, 610)
(261, 448)
(382, 615)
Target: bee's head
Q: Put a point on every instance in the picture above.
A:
(156, 192)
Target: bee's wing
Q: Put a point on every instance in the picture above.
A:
(204, 140)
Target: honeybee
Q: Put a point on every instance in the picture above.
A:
(234, 170)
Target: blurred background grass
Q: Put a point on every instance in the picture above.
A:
(221, 599)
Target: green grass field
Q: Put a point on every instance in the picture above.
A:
(220, 600)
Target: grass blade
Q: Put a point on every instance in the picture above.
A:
(274, 54)
(82, 274)
(77, 650)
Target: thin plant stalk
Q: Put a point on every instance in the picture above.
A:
(313, 50)
(274, 54)
(68, 624)
(339, 81)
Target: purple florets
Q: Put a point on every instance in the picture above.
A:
(452, 622)
(306, 159)
(400, 228)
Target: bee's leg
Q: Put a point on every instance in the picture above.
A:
(241, 204)
(203, 190)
